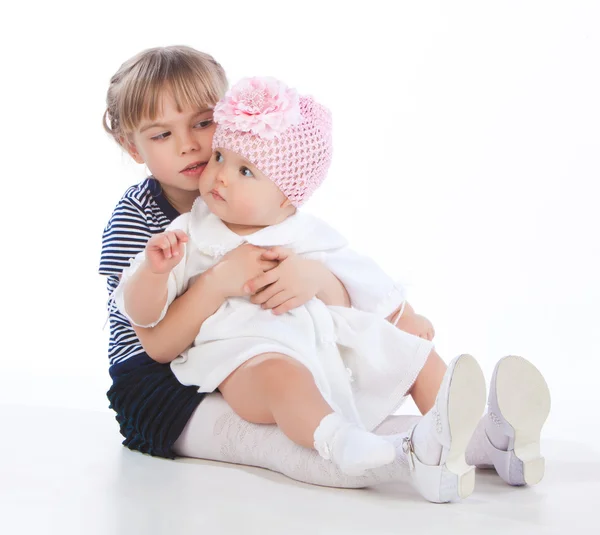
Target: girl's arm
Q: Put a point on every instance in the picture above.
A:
(145, 295)
(185, 316)
(178, 329)
(146, 290)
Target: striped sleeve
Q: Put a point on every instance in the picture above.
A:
(124, 237)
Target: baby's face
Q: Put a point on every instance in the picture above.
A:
(239, 194)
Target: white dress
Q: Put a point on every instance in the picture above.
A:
(362, 365)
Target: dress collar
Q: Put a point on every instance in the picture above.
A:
(214, 238)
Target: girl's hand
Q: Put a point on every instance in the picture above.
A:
(165, 250)
(416, 324)
(237, 267)
(291, 284)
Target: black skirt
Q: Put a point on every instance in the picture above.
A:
(152, 406)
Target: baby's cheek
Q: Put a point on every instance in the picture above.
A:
(243, 211)
(247, 210)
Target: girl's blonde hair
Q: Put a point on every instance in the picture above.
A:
(194, 79)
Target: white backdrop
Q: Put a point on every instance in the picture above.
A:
(467, 144)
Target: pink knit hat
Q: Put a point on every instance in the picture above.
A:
(286, 136)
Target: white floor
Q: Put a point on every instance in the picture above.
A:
(63, 471)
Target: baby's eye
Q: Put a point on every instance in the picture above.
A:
(218, 157)
(164, 135)
(244, 171)
(204, 124)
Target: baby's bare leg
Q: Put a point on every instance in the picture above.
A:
(274, 388)
(427, 384)
(426, 387)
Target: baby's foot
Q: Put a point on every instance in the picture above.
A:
(518, 406)
(353, 449)
(435, 447)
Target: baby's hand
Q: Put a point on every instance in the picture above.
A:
(164, 251)
(291, 284)
(416, 324)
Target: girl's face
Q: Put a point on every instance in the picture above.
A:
(239, 194)
(175, 146)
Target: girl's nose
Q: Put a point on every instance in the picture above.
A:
(188, 143)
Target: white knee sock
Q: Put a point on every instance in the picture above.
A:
(216, 433)
(350, 447)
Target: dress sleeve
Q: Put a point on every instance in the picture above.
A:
(370, 288)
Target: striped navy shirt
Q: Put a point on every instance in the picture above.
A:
(142, 211)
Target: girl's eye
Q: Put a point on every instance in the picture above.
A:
(204, 124)
(218, 157)
(164, 135)
(244, 171)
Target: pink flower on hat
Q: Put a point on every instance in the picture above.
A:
(262, 105)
